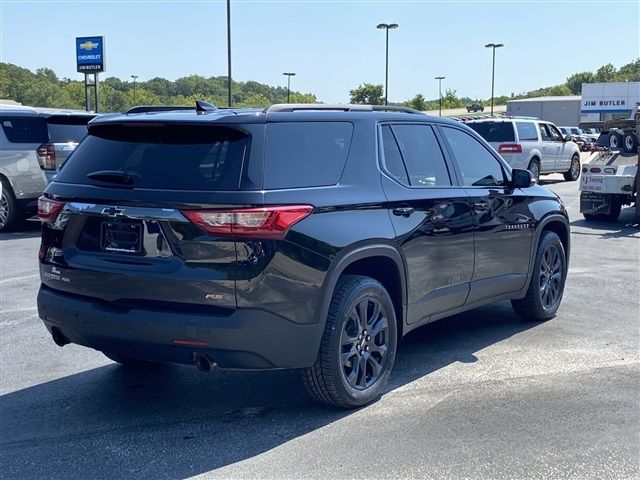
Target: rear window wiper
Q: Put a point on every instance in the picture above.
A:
(112, 176)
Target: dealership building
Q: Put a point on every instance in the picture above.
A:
(599, 101)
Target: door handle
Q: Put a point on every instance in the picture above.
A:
(403, 211)
(481, 206)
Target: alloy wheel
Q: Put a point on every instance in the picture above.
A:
(575, 168)
(364, 344)
(550, 277)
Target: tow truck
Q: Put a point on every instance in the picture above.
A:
(611, 176)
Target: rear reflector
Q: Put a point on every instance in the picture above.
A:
(595, 170)
(48, 209)
(510, 148)
(189, 343)
(47, 156)
(269, 223)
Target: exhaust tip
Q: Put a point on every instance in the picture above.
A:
(204, 363)
(58, 338)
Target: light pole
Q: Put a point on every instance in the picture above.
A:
(134, 88)
(440, 94)
(386, 27)
(229, 52)
(289, 75)
(493, 68)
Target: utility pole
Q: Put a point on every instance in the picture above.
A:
(440, 94)
(386, 27)
(134, 88)
(289, 75)
(229, 52)
(493, 68)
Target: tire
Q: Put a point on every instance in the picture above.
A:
(348, 354)
(614, 141)
(10, 212)
(534, 167)
(574, 170)
(630, 143)
(129, 362)
(551, 268)
(612, 216)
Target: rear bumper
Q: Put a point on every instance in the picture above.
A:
(245, 339)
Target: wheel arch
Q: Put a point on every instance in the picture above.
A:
(381, 262)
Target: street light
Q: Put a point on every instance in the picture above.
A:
(493, 69)
(134, 87)
(289, 75)
(386, 27)
(229, 52)
(440, 94)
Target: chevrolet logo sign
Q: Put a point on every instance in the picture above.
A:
(88, 45)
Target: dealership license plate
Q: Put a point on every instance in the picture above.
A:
(122, 237)
(594, 203)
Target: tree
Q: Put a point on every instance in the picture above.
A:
(368, 94)
(606, 73)
(451, 100)
(575, 81)
(418, 102)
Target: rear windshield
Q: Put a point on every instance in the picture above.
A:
(305, 154)
(67, 129)
(494, 131)
(179, 157)
(25, 129)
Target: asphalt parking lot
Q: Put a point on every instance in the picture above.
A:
(481, 395)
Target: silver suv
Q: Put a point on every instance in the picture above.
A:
(34, 143)
(531, 144)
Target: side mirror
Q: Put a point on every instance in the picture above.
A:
(522, 178)
(567, 138)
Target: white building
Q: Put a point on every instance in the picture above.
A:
(604, 101)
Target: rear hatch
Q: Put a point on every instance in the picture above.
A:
(142, 215)
(500, 135)
(65, 132)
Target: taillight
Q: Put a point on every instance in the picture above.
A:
(48, 209)
(269, 223)
(510, 148)
(47, 156)
(595, 170)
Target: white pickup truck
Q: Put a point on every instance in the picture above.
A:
(611, 179)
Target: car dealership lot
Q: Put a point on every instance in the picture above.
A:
(482, 395)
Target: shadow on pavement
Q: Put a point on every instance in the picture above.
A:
(174, 422)
(626, 225)
(29, 229)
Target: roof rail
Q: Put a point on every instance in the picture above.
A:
(296, 107)
(157, 108)
(201, 107)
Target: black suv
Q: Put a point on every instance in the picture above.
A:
(309, 237)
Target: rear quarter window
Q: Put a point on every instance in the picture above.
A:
(527, 131)
(25, 129)
(66, 130)
(305, 154)
(494, 131)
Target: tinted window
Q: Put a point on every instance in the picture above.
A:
(555, 133)
(478, 166)
(527, 131)
(544, 131)
(306, 154)
(25, 129)
(494, 131)
(179, 158)
(422, 155)
(392, 160)
(61, 133)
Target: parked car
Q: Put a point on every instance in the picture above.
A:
(579, 132)
(310, 237)
(535, 145)
(475, 107)
(33, 145)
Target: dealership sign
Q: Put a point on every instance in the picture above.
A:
(90, 54)
(603, 103)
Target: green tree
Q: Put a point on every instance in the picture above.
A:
(418, 102)
(606, 73)
(368, 94)
(575, 81)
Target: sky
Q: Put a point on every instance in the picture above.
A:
(332, 46)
